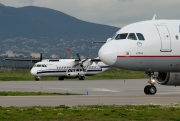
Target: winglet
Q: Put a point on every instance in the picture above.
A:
(154, 17)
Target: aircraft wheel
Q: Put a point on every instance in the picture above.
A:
(146, 89)
(37, 78)
(150, 90)
(61, 78)
(81, 78)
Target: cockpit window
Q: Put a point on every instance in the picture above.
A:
(121, 36)
(38, 65)
(44, 66)
(114, 36)
(132, 36)
(140, 36)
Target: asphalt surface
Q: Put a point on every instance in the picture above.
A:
(96, 92)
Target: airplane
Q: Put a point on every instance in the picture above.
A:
(151, 46)
(65, 68)
(68, 68)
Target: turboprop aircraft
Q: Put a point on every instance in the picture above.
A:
(68, 68)
(151, 46)
(65, 68)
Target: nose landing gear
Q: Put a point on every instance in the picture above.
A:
(150, 89)
(37, 78)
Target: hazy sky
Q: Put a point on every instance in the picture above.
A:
(110, 12)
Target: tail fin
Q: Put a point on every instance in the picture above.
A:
(103, 66)
(41, 57)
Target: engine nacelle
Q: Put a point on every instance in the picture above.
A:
(72, 74)
(75, 74)
(170, 78)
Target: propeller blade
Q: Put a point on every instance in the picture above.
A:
(80, 62)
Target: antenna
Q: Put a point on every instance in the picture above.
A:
(154, 17)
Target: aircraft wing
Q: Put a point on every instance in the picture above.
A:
(95, 60)
(23, 59)
(19, 59)
(99, 42)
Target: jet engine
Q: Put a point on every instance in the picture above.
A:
(169, 78)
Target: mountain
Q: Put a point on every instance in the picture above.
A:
(36, 29)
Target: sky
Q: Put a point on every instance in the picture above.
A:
(109, 12)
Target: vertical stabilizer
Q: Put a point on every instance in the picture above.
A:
(41, 57)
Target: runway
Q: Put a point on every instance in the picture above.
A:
(100, 92)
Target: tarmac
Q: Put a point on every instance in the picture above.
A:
(94, 92)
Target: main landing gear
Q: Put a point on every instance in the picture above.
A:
(61, 78)
(150, 89)
(81, 77)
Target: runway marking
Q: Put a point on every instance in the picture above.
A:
(164, 93)
(104, 90)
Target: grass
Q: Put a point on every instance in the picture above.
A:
(24, 75)
(118, 74)
(92, 113)
(33, 93)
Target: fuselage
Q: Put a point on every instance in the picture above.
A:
(145, 46)
(67, 68)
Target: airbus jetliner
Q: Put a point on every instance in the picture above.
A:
(152, 46)
(67, 68)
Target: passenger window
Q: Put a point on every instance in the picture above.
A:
(132, 36)
(121, 36)
(140, 36)
(177, 37)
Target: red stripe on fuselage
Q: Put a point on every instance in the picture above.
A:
(148, 56)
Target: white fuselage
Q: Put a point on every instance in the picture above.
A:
(67, 68)
(159, 51)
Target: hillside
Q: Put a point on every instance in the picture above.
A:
(36, 29)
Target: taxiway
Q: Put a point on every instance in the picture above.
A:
(96, 92)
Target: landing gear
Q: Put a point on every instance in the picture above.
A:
(61, 78)
(37, 78)
(151, 89)
(81, 77)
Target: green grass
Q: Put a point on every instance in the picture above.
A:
(118, 74)
(33, 93)
(92, 113)
(109, 74)
(15, 75)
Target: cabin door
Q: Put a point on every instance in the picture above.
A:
(165, 38)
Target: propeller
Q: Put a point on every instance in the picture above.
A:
(81, 61)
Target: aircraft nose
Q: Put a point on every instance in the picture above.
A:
(108, 54)
(33, 72)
